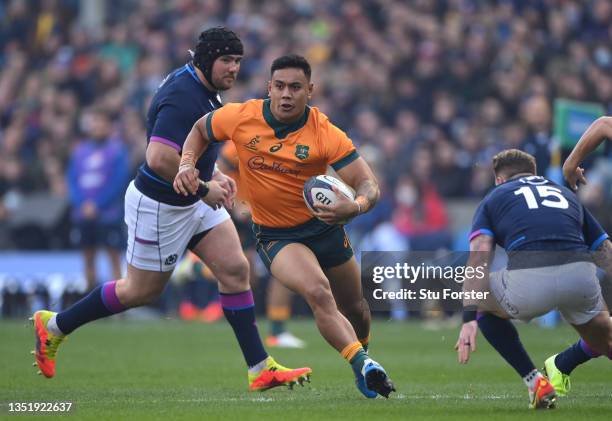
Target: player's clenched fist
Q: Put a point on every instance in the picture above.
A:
(212, 193)
(573, 175)
(186, 181)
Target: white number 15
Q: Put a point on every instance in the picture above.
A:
(543, 191)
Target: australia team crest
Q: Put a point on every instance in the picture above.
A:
(301, 151)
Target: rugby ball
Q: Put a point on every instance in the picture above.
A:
(318, 190)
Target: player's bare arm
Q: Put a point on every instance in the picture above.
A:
(481, 254)
(163, 159)
(481, 251)
(360, 177)
(597, 132)
(186, 181)
(603, 257)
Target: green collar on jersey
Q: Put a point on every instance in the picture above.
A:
(282, 130)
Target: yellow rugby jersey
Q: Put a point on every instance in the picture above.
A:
(276, 159)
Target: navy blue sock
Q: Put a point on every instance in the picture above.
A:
(502, 335)
(573, 356)
(239, 310)
(101, 302)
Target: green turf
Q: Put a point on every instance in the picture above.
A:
(176, 370)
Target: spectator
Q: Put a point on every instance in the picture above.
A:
(450, 179)
(420, 215)
(97, 176)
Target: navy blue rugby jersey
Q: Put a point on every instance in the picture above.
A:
(179, 102)
(533, 213)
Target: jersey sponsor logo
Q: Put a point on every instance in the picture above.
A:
(170, 260)
(259, 163)
(252, 144)
(301, 151)
(276, 147)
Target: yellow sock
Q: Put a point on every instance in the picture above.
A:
(349, 351)
(278, 313)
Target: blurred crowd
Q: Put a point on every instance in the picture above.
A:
(428, 90)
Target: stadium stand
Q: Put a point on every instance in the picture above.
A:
(429, 90)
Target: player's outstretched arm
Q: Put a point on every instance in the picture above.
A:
(597, 132)
(481, 253)
(186, 181)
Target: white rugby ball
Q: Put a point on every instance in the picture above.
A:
(318, 190)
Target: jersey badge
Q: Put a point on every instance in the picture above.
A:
(301, 151)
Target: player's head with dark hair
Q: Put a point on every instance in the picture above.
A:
(511, 162)
(291, 61)
(289, 88)
(212, 44)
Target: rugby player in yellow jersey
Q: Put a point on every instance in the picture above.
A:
(281, 143)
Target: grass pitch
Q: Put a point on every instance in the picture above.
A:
(174, 370)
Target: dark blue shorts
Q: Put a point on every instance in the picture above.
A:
(95, 234)
(329, 243)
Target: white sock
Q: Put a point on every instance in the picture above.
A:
(259, 366)
(52, 326)
(532, 378)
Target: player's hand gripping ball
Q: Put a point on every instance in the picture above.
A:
(318, 190)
